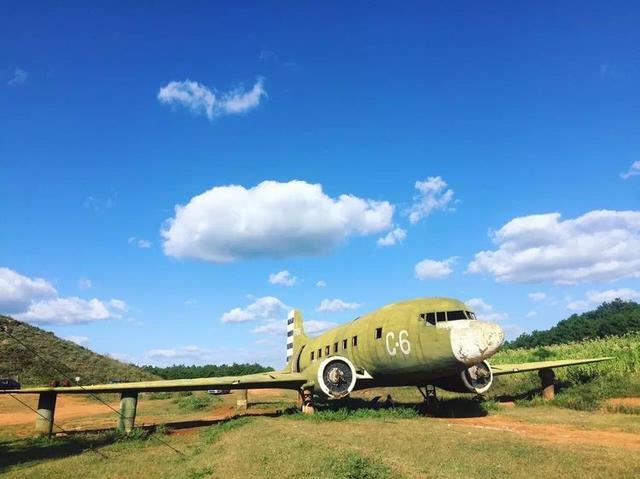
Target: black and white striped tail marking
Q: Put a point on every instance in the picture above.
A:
(290, 325)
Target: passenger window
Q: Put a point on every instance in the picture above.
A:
(344, 344)
(335, 347)
(289, 333)
(441, 317)
(313, 353)
(354, 341)
(319, 353)
(431, 318)
(378, 333)
(290, 321)
(327, 351)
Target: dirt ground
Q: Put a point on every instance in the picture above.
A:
(80, 412)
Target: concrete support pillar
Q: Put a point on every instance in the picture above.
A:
(128, 406)
(307, 402)
(547, 377)
(243, 400)
(46, 411)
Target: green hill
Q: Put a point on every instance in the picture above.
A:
(609, 319)
(18, 362)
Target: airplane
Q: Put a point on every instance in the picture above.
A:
(426, 342)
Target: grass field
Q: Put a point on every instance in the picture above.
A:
(581, 434)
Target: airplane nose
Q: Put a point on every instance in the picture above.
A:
(477, 342)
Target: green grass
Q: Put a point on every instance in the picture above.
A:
(196, 402)
(346, 414)
(584, 387)
(211, 434)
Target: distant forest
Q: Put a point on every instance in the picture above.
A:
(609, 319)
(180, 371)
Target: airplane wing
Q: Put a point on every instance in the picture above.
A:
(279, 380)
(499, 369)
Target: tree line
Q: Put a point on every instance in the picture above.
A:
(182, 371)
(614, 318)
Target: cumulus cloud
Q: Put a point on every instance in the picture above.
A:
(595, 298)
(18, 291)
(432, 269)
(272, 219)
(601, 245)
(484, 311)
(393, 237)
(279, 327)
(283, 277)
(71, 310)
(537, 296)
(183, 352)
(19, 77)
(334, 305)
(267, 307)
(79, 340)
(139, 242)
(634, 170)
(201, 100)
(321, 284)
(433, 194)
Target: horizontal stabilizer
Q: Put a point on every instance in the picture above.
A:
(499, 369)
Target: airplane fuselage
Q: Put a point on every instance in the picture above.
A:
(406, 343)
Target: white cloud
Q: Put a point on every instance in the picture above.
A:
(18, 291)
(272, 219)
(634, 170)
(484, 311)
(279, 327)
(432, 195)
(601, 245)
(283, 277)
(139, 242)
(315, 327)
(71, 310)
(202, 100)
(595, 298)
(267, 307)
(79, 340)
(20, 77)
(531, 314)
(85, 283)
(537, 296)
(334, 305)
(432, 269)
(321, 284)
(392, 238)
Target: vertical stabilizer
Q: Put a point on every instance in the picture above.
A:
(296, 338)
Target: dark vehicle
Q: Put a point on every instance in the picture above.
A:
(219, 391)
(6, 383)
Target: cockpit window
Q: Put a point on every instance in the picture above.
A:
(429, 318)
(471, 315)
(440, 316)
(455, 315)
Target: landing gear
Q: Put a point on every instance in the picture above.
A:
(430, 397)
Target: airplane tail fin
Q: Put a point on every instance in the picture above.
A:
(296, 338)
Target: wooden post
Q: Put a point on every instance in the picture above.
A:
(128, 406)
(241, 402)
(46, 412)
(547, 377)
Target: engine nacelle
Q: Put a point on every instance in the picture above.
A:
(475, 379)
(336, 377)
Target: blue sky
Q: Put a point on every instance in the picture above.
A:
(463, 128)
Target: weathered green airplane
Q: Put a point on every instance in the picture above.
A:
(424, 342)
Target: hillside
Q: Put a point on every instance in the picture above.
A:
(72, 359)
(609, 319)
